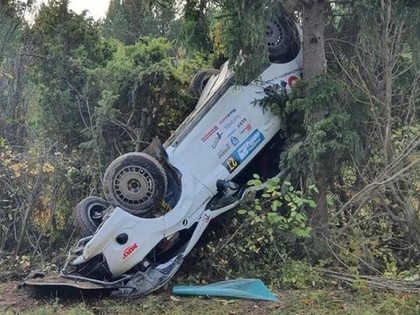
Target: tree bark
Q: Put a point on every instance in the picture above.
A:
(314, 61)
(314, 64)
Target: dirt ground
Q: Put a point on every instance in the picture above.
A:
(324, 301)
(16, 299)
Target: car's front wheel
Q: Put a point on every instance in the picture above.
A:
(135, 182)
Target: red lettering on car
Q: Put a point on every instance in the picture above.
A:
(129, 250)
(209, 134)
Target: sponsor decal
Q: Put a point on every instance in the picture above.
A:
(231, 164)
(292, 81)
(209, 134)
(243, 151)
(242, 122)
(129, 250)
(227, 116)
(223, 152)
(234, 141)
(248, 127)
(249, 145)
(216, 140)
(232, 121)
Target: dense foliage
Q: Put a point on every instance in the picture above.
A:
(75, 93)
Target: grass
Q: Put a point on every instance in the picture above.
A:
(328, 301)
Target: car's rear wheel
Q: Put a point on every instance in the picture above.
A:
(199, 81)
(87, 215)
(135, 182)
(279, 37)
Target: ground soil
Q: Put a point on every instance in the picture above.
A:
(17, 299)
(333, 300)
(14, 297)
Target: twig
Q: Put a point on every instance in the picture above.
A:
(374, 282)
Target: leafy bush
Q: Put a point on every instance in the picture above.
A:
(263, 236)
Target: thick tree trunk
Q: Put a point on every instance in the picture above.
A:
(314, 64)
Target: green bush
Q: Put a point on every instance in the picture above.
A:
(263, 237)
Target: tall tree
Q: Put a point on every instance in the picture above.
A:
(116, 22)
(315, 64)
(13, 66)
(128, 20)
(68, 48)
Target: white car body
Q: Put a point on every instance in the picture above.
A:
(217, 141)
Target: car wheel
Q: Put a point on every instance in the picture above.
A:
(87, 215)
(135, 182)
(278, 37)
(199, 81)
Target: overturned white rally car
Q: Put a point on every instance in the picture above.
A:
(160, 201)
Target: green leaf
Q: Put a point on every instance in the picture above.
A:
(312, 204)
(301, 232)
(300, 217)
(313, 188)
(330, 200)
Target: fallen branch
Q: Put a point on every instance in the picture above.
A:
(373, 282)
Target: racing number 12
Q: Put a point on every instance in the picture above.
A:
(231, 164)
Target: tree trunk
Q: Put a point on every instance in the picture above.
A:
(388, 57)
(314, 64)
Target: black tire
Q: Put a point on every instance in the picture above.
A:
(87, 215)
(200, 80)
(135, 182)
(279, 36)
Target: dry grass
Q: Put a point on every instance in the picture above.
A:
(330, 301)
